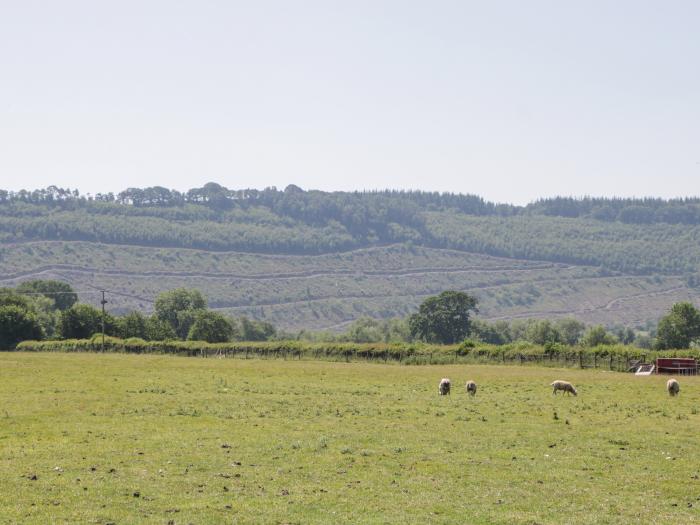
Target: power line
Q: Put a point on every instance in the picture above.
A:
(15, 292)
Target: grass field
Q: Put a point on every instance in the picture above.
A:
(88, 438)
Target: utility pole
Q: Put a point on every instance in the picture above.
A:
(103, 302)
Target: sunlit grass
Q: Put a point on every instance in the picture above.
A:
(90, 438)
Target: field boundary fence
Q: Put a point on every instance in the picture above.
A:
(615, 358)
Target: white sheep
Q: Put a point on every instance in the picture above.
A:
(564, 386)
(673, 387)
(471, 388)
(444, 386)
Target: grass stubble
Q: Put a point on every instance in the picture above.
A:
(88, 438)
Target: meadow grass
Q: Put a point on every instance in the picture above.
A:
(87, 438)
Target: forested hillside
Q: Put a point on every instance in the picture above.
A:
(319, 260)
(642, 236)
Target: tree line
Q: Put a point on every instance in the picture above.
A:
(294, 221)
(47, 309)
(318, 206)
(448, 318)
(629, 211)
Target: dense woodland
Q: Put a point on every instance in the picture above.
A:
(643, 236)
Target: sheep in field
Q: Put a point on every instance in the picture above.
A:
(444, 386)
(564, 386)
(673, 387)
(471, 388)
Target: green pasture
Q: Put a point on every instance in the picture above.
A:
(88, 438)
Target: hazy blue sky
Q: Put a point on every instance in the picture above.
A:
(511, 100)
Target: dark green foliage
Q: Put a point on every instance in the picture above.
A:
(211, 327)
(643, 341)
(41, 309)
(82, 321)
(367, 330)
(8, 297)
(17, 324)
(159, 330)
(133, 324)
(571, 330)
(598, 335)
(179, 309)
(364, 330)
(61, 293)
(631, 248)
(634, 211)
(542, 332)
(625, 335)
(636, 215)
(41, 299)
(255, 330)
(679, 328)
(631, 235)
(444, 318)
(497, 333)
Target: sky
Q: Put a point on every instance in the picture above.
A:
(509, 100)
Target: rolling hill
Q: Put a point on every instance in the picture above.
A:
(314, 260)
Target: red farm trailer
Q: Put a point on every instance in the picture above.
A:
(682, 366)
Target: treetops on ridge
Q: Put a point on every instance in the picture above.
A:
(314, 204)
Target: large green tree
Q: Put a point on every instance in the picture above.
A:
(17, 324)
(42, 309)
(82, 321)
(133, 324)
(679, 328)
(211, 327)
(444, 318)
(8, 297)
(61, 293)
(159, 330)
(179, 308)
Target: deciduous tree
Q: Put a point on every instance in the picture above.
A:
(444, 318)
(679, 328)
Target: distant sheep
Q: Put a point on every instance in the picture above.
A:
(673, 387)
(564, 386)
(471, 388)
(444, 387)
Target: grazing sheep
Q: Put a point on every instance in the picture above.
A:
(471, 388)
(565, 386)
(673, 387)
(444, 387)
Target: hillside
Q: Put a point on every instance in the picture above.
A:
(320, 260)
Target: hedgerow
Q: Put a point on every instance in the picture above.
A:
(618, 357)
